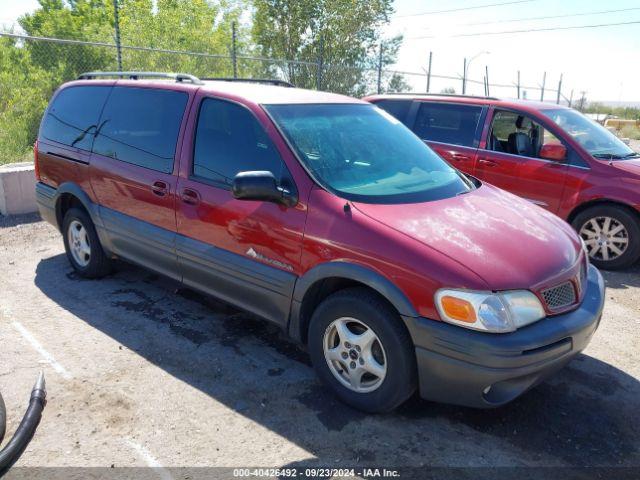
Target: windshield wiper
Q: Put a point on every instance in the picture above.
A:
(632, 155)
(608, 156)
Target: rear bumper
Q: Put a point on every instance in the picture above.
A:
(457, 365)
(46, 198)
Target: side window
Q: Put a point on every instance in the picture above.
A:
(72, 118)
(397, 108)
(141, 126)
(448, 123)
(517, 134)
(229, 140)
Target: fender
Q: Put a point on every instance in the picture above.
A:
(600, 194)
(90, 206)
(77, 191)
(350, 271)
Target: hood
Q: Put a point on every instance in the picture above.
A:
(507, 241)
(628, 166)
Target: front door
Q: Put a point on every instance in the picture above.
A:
(244, 252)
(132, 176)
(511, 160)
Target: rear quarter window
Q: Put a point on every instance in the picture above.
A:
(397, 108)
(72, 118)
(141, 126)
(448, 123)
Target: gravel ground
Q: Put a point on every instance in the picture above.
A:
(142, 372)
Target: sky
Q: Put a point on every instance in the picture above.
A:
(604, 62)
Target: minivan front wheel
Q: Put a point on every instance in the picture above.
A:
(360, 348)
(611, 235)
(82, 245)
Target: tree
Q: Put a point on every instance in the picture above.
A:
(342, 35)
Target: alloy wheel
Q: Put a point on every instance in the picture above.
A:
(605, 237)
(79, 245)
(355, 354)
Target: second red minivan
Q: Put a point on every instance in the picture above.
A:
(548, 154)
(327, 216)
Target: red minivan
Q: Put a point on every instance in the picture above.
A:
(548, 154)
(327, 216)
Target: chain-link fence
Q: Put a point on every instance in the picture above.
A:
(31, 68)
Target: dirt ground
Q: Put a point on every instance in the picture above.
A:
(141, 372)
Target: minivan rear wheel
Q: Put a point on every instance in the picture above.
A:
(611, 234)
(82, 245)
(361, 350)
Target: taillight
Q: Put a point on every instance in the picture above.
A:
(36, 164)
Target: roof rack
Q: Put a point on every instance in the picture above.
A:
(178, 77)
(443, 95)
(269, 81)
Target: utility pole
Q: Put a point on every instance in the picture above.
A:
(320, 63)
(117, 28)
(234, 52)
(571, 99)
(429, 72)
(464, 77)
(544, 81)
(583, 99)
(518, 85)
(486, 77)
(380, 69)
(559, 90)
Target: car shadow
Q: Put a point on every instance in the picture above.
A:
(586, 415)
(622, 279)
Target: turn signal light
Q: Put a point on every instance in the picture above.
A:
(458, 309)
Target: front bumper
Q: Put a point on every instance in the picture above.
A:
(456, 365)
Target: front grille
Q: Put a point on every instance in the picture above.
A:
(559, 297)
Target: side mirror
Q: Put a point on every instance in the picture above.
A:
(261, 186)
(553, 151)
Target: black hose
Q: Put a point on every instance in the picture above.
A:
(12, 451)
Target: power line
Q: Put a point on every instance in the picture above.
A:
(513, 20)
(434, 12)
(575, 27)
(549, 29)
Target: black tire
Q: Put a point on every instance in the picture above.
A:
(99, 264)
(625, 217)
(3, 419)
(400, 380)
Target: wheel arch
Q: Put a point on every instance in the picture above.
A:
(325, 279)
(69, 195)
(600, 202)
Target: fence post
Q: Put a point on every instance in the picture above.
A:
(234, 53)
(429, 72)
(544, 81)
(117, 28)
(486, 76)
(559, 90)
(518, 85)
(464, 77)
(380, 69)
(320, 64)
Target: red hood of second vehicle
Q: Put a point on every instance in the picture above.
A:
(507, 241)
(629, 166)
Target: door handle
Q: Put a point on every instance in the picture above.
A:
(459, 157)
(160, 188)
(190, 197)
(487, 162)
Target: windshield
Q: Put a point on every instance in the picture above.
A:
(593, 137)
(364, 154)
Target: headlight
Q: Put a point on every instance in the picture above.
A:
(489, 311)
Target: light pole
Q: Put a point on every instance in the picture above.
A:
(466, 69)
